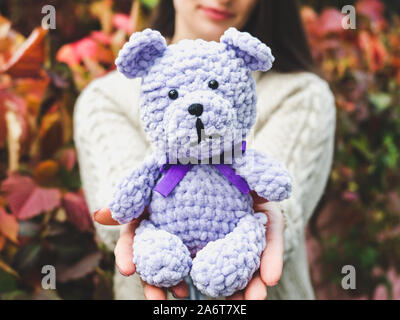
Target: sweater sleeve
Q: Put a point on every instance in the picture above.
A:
(299, 131)
(109, 142)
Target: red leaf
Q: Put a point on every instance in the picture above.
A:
(77, 211)
(68, 158)
(330, 21)
(26, 199)
(8, 226)
(86, 48)
(101, 37)
(372, 9)
(374, 50)
(124, 22)
(68, 55)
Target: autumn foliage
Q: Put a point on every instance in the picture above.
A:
(44, 218)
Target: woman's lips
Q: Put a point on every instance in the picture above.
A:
(216, 14)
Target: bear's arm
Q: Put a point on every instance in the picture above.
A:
(134, 192)
(266, 176)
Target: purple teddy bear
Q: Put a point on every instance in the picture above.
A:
(198, 104)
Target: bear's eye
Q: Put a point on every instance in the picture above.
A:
(173, 94)
(213, 84)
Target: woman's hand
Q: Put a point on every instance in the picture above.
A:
(124, 256)
(270, 266)
(272, 258)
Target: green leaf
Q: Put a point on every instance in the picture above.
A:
(362, 145)
(16, 295)
(27, 256)
(392, 155)
(149, 3)
(368, 257)
(7, 282)
(380, 100)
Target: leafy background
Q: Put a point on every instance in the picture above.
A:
(43, 215)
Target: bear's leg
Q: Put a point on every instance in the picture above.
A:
(161, 258)
(226, 265)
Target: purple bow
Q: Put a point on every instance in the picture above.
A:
(176, 172)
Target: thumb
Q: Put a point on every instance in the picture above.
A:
(103, 216)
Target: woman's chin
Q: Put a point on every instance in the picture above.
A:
(212, 30)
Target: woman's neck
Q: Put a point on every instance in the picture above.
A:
(182, 31)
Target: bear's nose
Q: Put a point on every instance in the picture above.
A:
(196, 109)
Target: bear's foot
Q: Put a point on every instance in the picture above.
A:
(226, 265)
(160, 257)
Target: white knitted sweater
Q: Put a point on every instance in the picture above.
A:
(295, 125)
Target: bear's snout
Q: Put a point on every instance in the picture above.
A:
(196, 109)
(198, 124)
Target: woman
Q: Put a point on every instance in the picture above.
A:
(295, 125)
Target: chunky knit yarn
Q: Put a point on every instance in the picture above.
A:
(188, 67)
(198, 99)
(295, 125)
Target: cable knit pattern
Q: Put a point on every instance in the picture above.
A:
(295, 125)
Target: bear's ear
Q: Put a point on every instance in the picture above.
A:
(139, 53)
(255, 54)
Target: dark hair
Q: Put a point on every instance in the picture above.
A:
(276, 23)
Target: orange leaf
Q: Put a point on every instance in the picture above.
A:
(27, 61)
(8, 226)
(51, 132)
(2, 242)
(46, 171)
(10, 40)
(68, 55)
(8, 269)
(3, 125)
(49, 120)
(3, 202)
(373, 49)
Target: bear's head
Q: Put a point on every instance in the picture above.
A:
(198, 98)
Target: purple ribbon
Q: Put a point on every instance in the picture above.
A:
(175, 173)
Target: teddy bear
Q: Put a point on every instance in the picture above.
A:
(198, 104)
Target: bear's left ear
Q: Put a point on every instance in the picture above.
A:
(255, 54)
(139, 53)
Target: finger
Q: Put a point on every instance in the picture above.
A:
(256, 289)
(181, 290)
(272, 257)
(236, 296)
(123, 250)
(103, 216)
(153, 293)
(256, 198)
